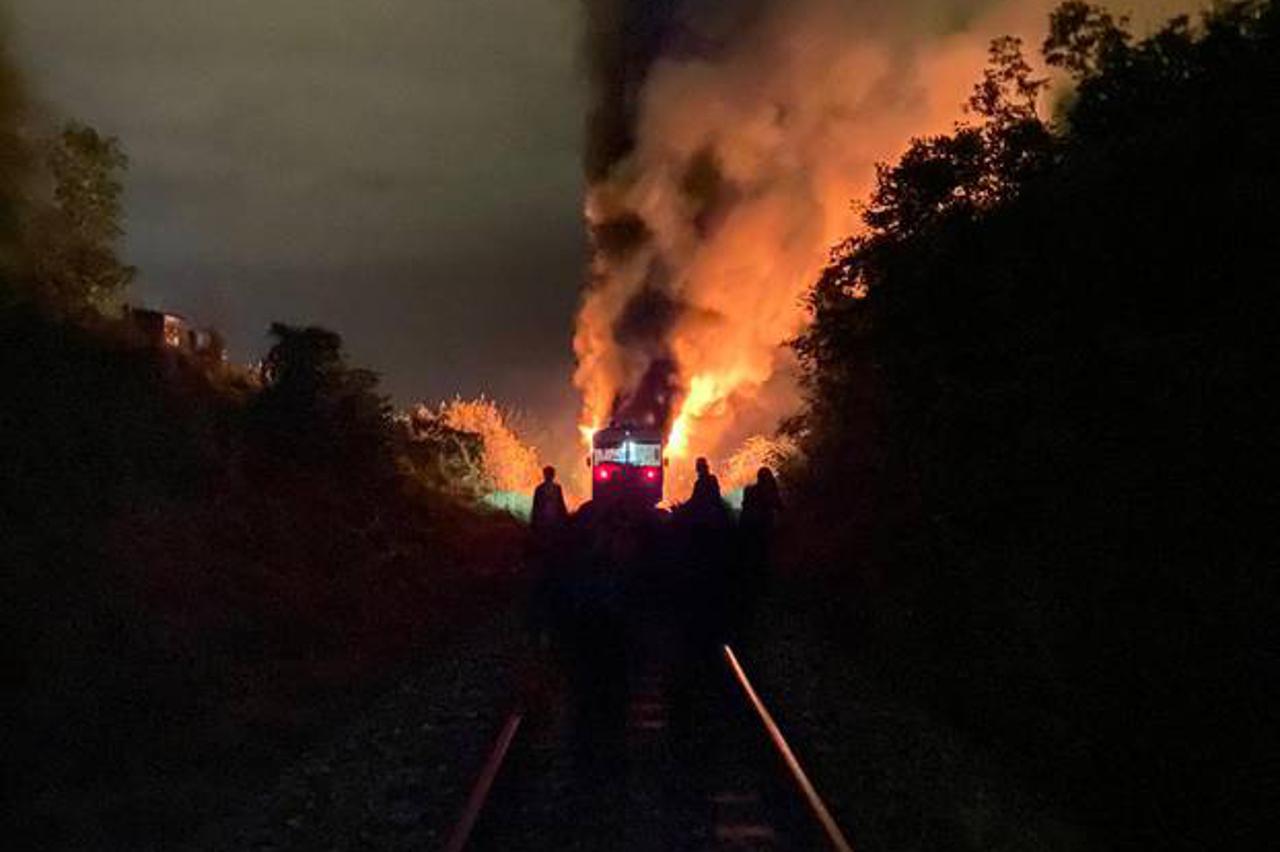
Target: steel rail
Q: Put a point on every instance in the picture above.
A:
(819, 808)
(480, 790)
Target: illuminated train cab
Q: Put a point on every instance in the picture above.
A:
(626, 460)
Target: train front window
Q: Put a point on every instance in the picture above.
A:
(609, 455)
(632, 453)
(643, 455)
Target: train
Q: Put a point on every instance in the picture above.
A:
(627, 460)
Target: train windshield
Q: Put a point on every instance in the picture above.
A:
(629, 452)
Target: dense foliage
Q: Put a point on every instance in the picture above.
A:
(315, 409)
(71, 231)
(198, 561)
(193, 558)
(1029, 386)
(64, 216)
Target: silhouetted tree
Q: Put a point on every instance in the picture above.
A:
(71, 234)
(314, 408)
(1032, 371)
(1086, 40)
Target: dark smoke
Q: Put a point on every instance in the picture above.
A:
(646, 320)
(643, 326)
(620, 235)
(624, 38)
(713, 195)
(649, 404)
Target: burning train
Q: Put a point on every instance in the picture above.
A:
(627, 460)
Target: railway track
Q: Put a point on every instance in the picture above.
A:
(692, 759)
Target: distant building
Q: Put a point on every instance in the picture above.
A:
(160, 328)
(172, 331)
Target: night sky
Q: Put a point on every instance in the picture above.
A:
(406, 172)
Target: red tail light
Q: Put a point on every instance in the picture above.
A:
(605, 472)
(651, 474)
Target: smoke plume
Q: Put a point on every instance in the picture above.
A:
(725, 148)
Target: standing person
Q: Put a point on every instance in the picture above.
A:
(549, 512)
(706, 490)
(760, 508)
(708, 530)
(548, 521)
(705, 530)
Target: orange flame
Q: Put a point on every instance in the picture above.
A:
(509, 463)
(742, 174)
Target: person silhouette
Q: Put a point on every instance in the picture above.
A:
(548, 525)
(707, 529)
(760, 505)
(706, 490)
(549, 512)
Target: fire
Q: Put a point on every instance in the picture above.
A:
(509, 463)
(736, 174)
(705, 391)
(708, 232)
(757, 451)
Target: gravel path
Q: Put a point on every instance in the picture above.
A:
(690, 769)
(396, 777)
(896, 778)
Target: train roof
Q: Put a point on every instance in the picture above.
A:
(616, 433)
